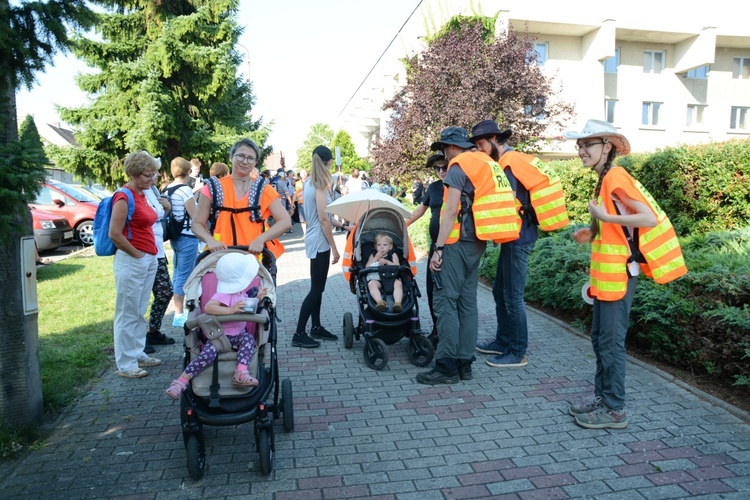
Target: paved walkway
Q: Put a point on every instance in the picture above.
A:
(362, 433)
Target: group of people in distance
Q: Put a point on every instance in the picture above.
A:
(486, 192)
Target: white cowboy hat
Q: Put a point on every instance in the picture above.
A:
(605, 130)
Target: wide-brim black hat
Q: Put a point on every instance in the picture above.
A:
(455, 136)
(487, 128)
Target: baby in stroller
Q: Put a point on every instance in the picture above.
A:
(235, 273)
(383, 254)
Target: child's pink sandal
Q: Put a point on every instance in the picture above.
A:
(242, 378)
(175, 389)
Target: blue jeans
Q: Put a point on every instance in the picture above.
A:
(510, 282)
(185, 252)
(609, 328)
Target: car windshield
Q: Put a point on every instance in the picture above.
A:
(75, 193)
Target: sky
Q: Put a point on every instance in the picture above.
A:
(306, 59)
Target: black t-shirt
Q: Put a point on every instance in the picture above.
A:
(434, 200)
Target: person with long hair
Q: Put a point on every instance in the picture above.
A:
(628, 232)
(320, 247)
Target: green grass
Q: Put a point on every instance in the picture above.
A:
(76, 306)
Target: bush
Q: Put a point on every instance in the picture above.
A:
(703, 188)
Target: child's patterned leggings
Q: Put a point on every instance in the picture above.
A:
(244, 342)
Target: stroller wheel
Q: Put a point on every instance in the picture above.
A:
(287, 405)
(419, 350)
(265, 451)
(375, 354)
(348, 330)
(196, 456)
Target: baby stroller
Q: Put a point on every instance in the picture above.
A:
(211, 398)
(384, 327)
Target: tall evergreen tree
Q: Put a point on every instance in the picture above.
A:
(30, 33)
(28, 136)
(167, 83)
(320, 134)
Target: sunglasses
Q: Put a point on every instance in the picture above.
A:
(444, 168)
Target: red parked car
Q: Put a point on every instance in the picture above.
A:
(50, 230)
(76, 205)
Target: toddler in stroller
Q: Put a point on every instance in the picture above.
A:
(235, 272)
(384, 255)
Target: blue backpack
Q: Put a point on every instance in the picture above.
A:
(103, 245)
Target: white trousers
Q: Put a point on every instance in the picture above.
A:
(133, 281)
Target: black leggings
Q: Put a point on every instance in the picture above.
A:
(312, 303)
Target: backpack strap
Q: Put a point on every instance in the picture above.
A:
(169, 191)
(217, 201)
(131, 209)
(633, 242)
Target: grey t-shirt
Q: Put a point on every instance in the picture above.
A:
(315, 240)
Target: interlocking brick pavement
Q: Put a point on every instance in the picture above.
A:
(361, 433)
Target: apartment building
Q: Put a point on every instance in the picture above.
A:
(662, 73)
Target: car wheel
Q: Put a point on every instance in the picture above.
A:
(85, 232)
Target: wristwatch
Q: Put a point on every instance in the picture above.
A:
(439, 248)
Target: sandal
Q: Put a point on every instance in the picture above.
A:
(381, 306)
(397, 307)
(136, 373)
(242, 378)
(175, 389)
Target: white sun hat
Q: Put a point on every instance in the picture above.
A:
(605, 130)
(235, 271)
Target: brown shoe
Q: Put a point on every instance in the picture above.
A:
(397, 307)
(381, 306)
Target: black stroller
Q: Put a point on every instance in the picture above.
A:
(210, 398)
(384, 327)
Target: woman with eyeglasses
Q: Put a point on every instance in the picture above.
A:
(433, 199)
(628, 232)
(243, 203)
(134, 264)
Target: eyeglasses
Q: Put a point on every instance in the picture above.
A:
(242, 158)
(587, 145)
(444, 168)
(149, 176)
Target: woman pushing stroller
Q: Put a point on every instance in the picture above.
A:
(235, 273)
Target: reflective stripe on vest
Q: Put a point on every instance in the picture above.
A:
(658, 245)
(547, 196)
(493, 207)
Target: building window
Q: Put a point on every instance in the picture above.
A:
(741, 68)
(695, 115)
(701, 72)
(653, 61)
(650, 114)
(540, 54)
(739, 118)
(609, 110)
(611, 63)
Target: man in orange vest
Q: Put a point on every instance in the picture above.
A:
(478, 206)
(512, 336)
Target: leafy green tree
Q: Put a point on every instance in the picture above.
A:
(30, 34)
(349, 157)
(467, 75)
(319, 134)
(167, 83)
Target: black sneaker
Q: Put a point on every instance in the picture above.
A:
(302, 340)
(319, 332)
(158, 338)
(464, 372)
(434, 377)
(149, 349)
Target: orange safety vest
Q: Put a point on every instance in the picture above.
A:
(494, 207)
(544, 187)
(346, 260)
(610, 251)
(238, 228)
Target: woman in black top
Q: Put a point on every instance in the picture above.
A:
(433, 199)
